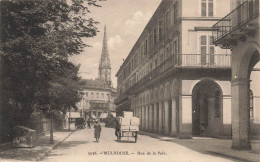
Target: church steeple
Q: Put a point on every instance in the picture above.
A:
(104, 65)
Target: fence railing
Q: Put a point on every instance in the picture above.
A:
(202, 60)
(238, 17)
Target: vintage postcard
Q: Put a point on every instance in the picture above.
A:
(129, 80)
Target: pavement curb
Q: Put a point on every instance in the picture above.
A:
(40, 158)
(150, 134)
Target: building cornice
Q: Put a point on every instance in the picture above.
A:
(150, 23)
(201, 18)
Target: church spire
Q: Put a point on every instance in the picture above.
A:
(104, 65)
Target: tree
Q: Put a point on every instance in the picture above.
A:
(37, 38)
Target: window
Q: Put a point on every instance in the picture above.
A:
(175, 12)
(168, 20)
(151, 66)
(160, 30)
(86, 94)
(154, 35)
(210, 8)
(141, 52)
(146, 47)
(170, 48)
(92, 94)
(161, 57)
(175, 47)
(156, 62)
(97, 95)
(132, 64)
(136, 60)
(167, 51)
(207, 49)
(203, 7)
(251, 103)
(211, 50)
(150, 40)
(207, 8)
(102, 95)
(203, 49)
(217, 104)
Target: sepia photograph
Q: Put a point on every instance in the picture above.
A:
(129, 81)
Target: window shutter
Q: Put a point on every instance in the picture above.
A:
(199, 44)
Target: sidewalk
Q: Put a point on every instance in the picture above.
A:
(214, 146)
(37, 153)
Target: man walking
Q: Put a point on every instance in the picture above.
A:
(117, 128)
(88, 122)
(97, 128)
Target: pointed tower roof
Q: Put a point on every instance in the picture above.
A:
(104, 60)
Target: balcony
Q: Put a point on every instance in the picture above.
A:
(180, 61)
(237, 24)
(201, 60)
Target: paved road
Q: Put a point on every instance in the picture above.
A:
(81, 146)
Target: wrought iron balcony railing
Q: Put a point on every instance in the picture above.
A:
(240, 16)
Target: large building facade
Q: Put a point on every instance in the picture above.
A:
(239, 31)
(179, 79)
(175, 79)
(99, 95)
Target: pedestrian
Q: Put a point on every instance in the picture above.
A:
(117, 128)
(97, 128)
(88, 122)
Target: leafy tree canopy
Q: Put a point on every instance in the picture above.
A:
(37, 38)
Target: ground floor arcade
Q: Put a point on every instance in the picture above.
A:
(186, 108)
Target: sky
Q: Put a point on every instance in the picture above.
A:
(125, 21)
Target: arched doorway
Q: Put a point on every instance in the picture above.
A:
(207, 109)
(254, 95)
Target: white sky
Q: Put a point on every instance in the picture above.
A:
(125, 20)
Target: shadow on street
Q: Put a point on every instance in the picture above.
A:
(25, 154)
(70, 144)
(208, 146)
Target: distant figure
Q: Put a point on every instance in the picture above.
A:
(117, 128)
(97, 128)
(88, 122)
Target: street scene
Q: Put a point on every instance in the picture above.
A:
(81, 146)
(129, 80)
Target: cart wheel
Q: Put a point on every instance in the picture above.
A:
(135, 137)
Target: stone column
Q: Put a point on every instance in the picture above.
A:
(174, 122)
(155, 120)
(151, 117)
(186, 117)
(240, 114)
(146, 118)
(143, 117)
(166, 117)
(160, 117)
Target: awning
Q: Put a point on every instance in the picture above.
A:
(73, 114)
(113, 114)
(103, 115)
(93, 116)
